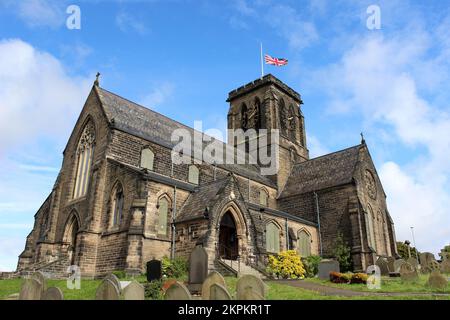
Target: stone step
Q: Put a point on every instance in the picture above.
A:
(242, 268)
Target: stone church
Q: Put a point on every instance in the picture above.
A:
(120, 201)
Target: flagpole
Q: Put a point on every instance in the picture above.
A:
(262, 62)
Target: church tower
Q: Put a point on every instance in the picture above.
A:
(268, 103)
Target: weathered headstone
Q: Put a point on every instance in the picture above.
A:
(53, 293)
(14, 296)
(390, 263)
(437, 281)
(177, 291)
(250, 294)
(154, 270)
(413, 261)
(42, 278)
(326, 266)
(31, 290)
(397, 264)
(113, 278)
(408, 272)
(427, 262)
(383, 265)
(213, 278)
(252, 282)
(198, 268)
(107, 290)
(445, 266)
(218, 292)
(134, 291)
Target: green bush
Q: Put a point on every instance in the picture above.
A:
(342, 253)
(286, 265)
(311, 265)
(402, 250)
(175, 268)
(153, 290)
(120, 274)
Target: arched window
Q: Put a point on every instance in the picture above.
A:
(117, 205)
(292, 124)
(263, 197)
(244, 117)
(272, 238)
(369, 217)
(193, 174)
(163, 213)
(147, 158)
(85, 151)
(304, 243)
(284, 125)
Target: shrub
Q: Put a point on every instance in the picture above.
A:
(311, 265)
(287, 265)
(119, 274)
(153, 290)
(175, 268)
(402, 249)
(359, 278)
(348, 278)
(342, 253)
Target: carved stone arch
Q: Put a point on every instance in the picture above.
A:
(89, 123)
(69, 240)
(264, 192)
(113, 205)
(164, 209)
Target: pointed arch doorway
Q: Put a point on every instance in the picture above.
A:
(228, 238)
(70, 237)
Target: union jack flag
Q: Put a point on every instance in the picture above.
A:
(275, 61)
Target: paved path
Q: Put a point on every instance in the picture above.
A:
(332, 291)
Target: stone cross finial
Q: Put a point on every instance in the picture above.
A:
(363, 141)
(97, 76)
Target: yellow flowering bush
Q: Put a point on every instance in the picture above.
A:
(286, 265)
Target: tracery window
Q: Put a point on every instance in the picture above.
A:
(85, 152)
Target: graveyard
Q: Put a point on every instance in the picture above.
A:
(391, 279)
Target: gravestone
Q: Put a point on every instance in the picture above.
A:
(14, 296)
(413, 261)
(42, 278)
(177, 291)
(408, 272)
(213, 278)
(383, 265)
(426, 262)
(107, 290)
(53, 293)
(445, 266)
(134, 291)
(31, 290)
(437, 281)
(218, 292)
(154, 270)
(113, 278)
(198, 268)
(252, 282)
(326, 266)
(390, 263)
(397, 264)
(250, 294)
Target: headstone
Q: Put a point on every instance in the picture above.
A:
(42, 278)
(252, 282)
(177, 291)
(14, 296)
(107, 290)
(326, 266)
(413, 261)
(408, 272)
(383, 265)
(53, 293)
(445, 266)
(154, 270)
(218, 292)
(250, 294)
(213, 278)
(390, 262)
(437, 281)
(31, 290)
(426, 261)
(113, 278)
(134, 291)
(198, 268)
(397, 264)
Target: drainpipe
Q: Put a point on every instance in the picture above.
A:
(316, 198)
(287, 234)
(174, 212)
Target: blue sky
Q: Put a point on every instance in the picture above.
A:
(182, 57)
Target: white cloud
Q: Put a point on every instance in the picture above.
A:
(36, 13)
(316, 148)
(37, 97)
(127, 22)
(158, 95)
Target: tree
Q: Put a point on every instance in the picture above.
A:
(402, 249)
(342, 253)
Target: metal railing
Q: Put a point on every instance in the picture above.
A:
(224, 251)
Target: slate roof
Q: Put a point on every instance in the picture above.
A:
(205, 195)
(323, 172)
(142, 122)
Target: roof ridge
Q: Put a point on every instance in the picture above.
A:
(329, 154)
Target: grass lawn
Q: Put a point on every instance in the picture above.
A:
(388, 285)
(276, 291)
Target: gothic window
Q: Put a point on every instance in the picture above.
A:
(193, 174)
(117, 205)
(84, 153)
(272, 238)
(292, 125)
(263, 197)
(147, 158)
(304, 243)
(163, 213)
(370, 218)
(244, 117)
(283, 117)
